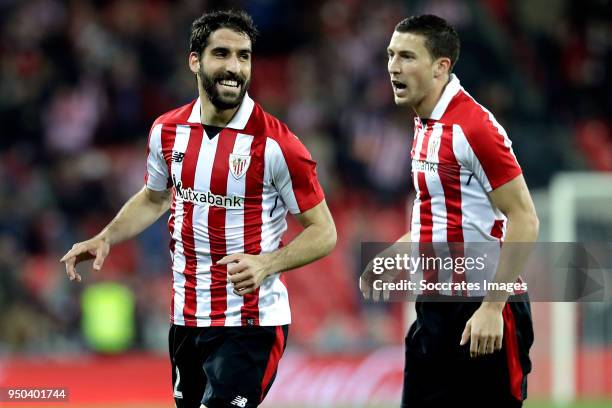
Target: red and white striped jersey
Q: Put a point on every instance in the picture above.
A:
(231, 194)
(459, 154)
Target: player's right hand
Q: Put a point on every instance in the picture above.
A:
(366, 284)
(95, 248)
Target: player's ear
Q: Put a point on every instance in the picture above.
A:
(442, 66)
(194, 62)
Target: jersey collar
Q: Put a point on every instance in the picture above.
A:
(240, 118)
(449, 92)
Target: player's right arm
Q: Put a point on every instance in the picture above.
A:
(139, 212)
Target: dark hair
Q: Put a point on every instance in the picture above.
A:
(441, 39)
(208, 23)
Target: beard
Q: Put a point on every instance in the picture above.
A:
(219, 100)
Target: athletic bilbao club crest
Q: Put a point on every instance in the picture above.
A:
(238, 164)
(434, 147)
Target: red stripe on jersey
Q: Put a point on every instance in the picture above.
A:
(216, 227)
(275, 355)
(253, 222)
(429, 274)
(450, 178)
(190, 162)
(498, 229)
(512, 354)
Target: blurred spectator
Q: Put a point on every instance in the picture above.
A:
(81, 82)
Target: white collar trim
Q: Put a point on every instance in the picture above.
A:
(240, 118)
(451, 89)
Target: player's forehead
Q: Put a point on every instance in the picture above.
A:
(230, 39)
(407, 42)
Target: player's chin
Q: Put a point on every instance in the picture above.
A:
(234, 95)
(401, 100)
(230, 101)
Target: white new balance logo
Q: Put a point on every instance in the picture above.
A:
(239, 401)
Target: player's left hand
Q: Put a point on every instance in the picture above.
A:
(246, 272)
(485, 330)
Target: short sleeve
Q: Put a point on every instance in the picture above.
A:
(156, 176)
(486, 150)
(294, 174)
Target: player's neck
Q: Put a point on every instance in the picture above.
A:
(425, 108)
(211, 115)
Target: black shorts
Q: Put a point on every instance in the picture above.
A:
(440, 373)
(224, 366)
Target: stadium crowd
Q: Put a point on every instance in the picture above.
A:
(82, 81)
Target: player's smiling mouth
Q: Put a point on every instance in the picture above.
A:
(229, 83)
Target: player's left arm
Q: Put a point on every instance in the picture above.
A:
(316, 240)
(485, 328)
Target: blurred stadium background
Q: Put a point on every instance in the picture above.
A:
(82, 81)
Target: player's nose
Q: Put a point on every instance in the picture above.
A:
(393, 66)
(233, 65)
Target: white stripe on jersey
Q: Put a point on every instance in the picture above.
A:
(157, 172)
(178, 261)
(274, 209)
(276, 159)
(273, 302)
(273, 291)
